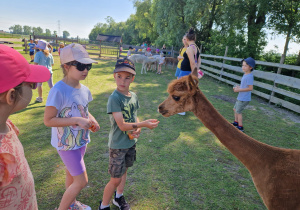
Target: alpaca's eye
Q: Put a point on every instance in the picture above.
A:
(176, 98)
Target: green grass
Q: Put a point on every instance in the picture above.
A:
(180, 164)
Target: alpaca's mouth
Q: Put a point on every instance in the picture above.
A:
(163, 112)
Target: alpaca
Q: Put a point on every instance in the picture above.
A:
(146, 62)
(171, 60)
(275, 171)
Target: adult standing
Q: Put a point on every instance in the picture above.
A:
(191, 58)
(180, 56)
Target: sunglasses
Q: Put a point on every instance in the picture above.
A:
(33, 85)
(81, 66)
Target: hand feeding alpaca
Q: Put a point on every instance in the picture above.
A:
(275, 171)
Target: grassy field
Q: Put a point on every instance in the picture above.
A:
(180, 164)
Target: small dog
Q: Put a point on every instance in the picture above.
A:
(171, 60)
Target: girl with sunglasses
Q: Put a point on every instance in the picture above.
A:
(67, 113)
(44, 58)
(17, 80)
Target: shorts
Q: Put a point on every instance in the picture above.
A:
(120, 160)
(31, 52)
(240, 106)
(50, 83)
(73, 160)
(184, 73)
(177, 72)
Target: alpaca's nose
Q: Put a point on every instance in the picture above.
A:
(161, 107)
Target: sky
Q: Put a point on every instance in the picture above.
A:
(79, 17)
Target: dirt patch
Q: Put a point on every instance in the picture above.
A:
(225, 98)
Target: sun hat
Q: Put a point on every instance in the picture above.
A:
(14, 69)
(148, 49)
(125, 65)
(75, 52)
(250, 61)
(42, 44)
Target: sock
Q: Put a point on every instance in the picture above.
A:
(118, 195)
(103, 207)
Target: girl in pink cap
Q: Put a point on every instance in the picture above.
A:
(17, 80)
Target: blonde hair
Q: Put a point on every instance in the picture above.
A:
(46, 52)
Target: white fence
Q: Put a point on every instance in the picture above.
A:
(216, 67)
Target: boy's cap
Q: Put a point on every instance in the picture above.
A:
(125, 65)
(42, 44)
(15, 69)
(75, 52)
(250, 61)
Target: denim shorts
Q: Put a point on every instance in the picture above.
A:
(240, 106)
(177, 72)
(120, 160)
(184, 73)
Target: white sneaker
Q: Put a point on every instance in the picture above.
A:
(181, 113)
(39, 99)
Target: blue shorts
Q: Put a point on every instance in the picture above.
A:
(73, 160)
(184, 73)
(177, 72)
(31, 52)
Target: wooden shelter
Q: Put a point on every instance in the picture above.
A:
(112, 44)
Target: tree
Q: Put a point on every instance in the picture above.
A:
(37, 30)
(16, 29)
(285, 19)
(47, 32)
(26, 30)
(54, 33)
(66, 34)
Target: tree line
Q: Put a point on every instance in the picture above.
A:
(241, 25)
(28, 30)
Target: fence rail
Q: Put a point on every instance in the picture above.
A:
(266, 84)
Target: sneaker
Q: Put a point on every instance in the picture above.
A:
(181, 113)
(107, 208)
(241, 128)
(31, 61)
(79, 206)
(235, 124)
(121, 203)
(39, 100)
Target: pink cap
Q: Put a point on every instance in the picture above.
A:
(14, 69)
(148, 49)
(75, 52)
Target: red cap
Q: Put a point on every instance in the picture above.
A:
(14, 69)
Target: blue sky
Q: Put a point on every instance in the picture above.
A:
(78, 17)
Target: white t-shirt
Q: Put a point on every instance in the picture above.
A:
(69, 102)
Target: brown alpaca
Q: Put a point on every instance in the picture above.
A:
(275, 171)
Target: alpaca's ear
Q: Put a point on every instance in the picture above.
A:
(192, 82)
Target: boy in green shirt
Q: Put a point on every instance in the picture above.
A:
(125, 129)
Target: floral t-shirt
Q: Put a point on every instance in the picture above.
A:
(16, 180)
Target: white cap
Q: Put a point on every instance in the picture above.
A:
(75, 52)
(42, 44)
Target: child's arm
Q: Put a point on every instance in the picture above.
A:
(50, 119)
(94, 122)
(126, 126)
(238, 89)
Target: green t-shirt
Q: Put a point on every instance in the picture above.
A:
(117, 102)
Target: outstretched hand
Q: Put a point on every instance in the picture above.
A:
(151, 123)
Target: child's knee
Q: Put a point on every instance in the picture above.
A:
(115, 181)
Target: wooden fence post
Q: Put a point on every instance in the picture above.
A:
(100, 49)
(172, 52)
(225, 55)
(278, 72)
(56, 41)
(25, 44)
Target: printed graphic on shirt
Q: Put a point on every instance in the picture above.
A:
(71, 136)
(128, 114)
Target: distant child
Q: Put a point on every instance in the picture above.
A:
(148, 53)
(161, 62)
(17, 80)
(125, 129)
(44, 58)
(61, 46)
(68, 115)
(244, 91)
(31, 49)
(129, 52)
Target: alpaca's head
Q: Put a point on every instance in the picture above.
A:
(180, 97)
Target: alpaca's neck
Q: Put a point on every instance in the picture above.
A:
(245, 148)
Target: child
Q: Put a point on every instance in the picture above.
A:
(244, 91)
(125, 129)
(44, 58)
(148, 53)
(61, 46)
(161, 62)
(129, 52)
(17, 79)
(31, 49)
(67, 113)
